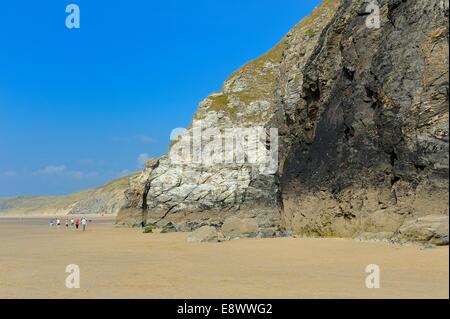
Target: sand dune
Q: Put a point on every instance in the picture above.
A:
(124, 263)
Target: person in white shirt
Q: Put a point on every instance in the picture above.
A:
(83, 223)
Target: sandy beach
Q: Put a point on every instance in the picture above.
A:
(125, 263)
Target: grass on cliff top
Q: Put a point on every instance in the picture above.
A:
(220, 104)
(264, 80)
(275, 55)
(36, 204)
(118, 183)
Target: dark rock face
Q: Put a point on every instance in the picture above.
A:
(374, 150)
(362, 116)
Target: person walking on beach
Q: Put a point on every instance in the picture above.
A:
(77, 223)
(67, 223)
(58, 222)
(83, 223)
(72, 222)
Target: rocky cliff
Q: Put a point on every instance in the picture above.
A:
(362, 116)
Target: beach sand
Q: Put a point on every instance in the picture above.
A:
(125, 263)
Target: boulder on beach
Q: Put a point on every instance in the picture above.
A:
(205, 234)
(432, 229)
(235, 227)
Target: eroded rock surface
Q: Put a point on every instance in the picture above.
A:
(205, 234)
(362, 116)
(234, 228)
(428, 229)
(371, 129)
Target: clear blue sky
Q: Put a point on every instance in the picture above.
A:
(78, 107)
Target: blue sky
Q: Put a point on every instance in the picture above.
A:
(81, 107)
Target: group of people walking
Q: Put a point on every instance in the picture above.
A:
(70, 223)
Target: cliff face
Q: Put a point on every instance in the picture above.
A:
(362, 118)
(369, 134)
